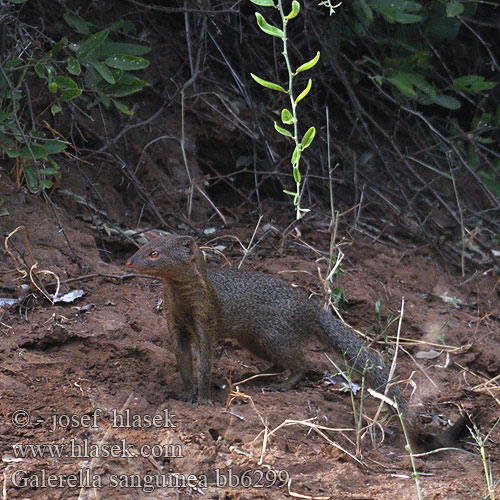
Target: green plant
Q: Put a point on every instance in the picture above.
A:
(357, 409)
(92, 64)
(408, 62)
(380, 326)
(289, 117)
(415, 44)
(491, 484)
(414, 473)
(333, 292)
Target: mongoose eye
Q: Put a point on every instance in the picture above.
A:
(154, 254)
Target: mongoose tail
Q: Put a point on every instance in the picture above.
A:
(368, 363)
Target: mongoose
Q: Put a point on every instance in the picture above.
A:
(265, 315)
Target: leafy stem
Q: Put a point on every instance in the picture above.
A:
(288, 117)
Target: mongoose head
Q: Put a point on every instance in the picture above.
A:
(168, 257)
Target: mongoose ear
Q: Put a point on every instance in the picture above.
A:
(152, 235)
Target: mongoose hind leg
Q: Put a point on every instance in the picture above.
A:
(274, 368)
(289, 383)
(292, 360)
(283, 357)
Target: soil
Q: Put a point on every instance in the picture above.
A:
(98, 375)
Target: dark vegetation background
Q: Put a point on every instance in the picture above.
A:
(411, 90)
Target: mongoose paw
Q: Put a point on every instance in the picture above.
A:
(189, 398)
(204, 401)
(274, 388)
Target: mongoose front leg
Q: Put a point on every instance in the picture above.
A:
(182, 346)
(206, 345)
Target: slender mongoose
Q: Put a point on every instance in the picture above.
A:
(265, 315)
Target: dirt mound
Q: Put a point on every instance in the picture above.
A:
(91, 396)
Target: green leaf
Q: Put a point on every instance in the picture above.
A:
(5, 142)
(91, 43)
(296, 175)
(481, 121)
(77, 23)
(400, 11)
(47, 184)
(304, 92)
(295, 10)
(12, 63)
(290, 193)
(308, 138)
(52, 53)
(104, 99)
(70, 94)
(484, 140)
(55, 108)
(49, 171)
(267, 28)
(282, 131)
(109, 48)
(286, 117)
(127, 62)
(439, 26)
(121, 107)
(402, 84)
(121, 90)
(52, 87)
(54, 164)
(91, 77)
(64, 82)
(473, 159)
(73, 66)
(263, 3)
(468, 80)
(454, 9)
(30, 178)
(418, 81)
(104, 71)
(446, 101)
(490, 180)
(12, 153)
(366, 11)
(40, 70)
(268, 85)
(37, 150)
(473, 84)
(404, 18)
(308, 64)
(384, 6)
(54, 147)
(296, 155)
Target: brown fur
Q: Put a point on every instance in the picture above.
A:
(265, 315)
